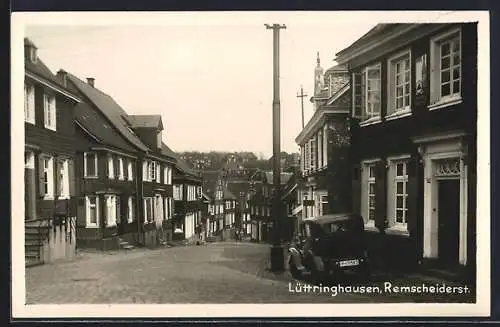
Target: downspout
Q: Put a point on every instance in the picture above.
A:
(140, 201)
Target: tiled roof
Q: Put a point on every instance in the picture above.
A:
(112, 110)
(210, 181)
(228, 195)
(182, 165)
(166, 151)
(145, 121)
(94, 122)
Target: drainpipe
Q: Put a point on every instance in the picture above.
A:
(140, 200)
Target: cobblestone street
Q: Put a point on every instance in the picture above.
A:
(214, 273)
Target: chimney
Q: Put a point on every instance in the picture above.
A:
(90, 81)
(62, 75)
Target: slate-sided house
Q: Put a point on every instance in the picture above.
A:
(156, 188)
(324, 146)
(260, 203)
(414, 147)
(188, 201)
(117, 204)
(49, 162)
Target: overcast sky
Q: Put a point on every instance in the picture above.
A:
(210, 77)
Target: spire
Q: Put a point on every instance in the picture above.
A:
(317, 59)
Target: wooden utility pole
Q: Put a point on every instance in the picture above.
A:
(277, 250)
(301, 96)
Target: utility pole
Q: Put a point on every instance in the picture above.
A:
(301, 96)
(277, 250)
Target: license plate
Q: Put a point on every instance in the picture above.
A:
(348, 263)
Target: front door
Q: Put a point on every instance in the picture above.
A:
(448, 221)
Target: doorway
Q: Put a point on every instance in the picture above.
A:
(448, 222)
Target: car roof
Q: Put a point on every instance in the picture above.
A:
(329, 218)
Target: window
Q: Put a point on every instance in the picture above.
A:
(49, 109)
(29, 160)
(167, 175)
(92, 211)
(398, 193)
(168, 208)
(320, 149)
(129, 171)
(63, 171)
(177, 192)
(48, 177)
(199, 192)
(368, 201)
(446, 69)
(121, 172)
(150, 171)
(325, 146)
(130, 209)
(90, 164)
(323, 205)
(111, 168)
(148, 210)
(367, 94)
(313, 150)
(111, 209)
(228, 204)
(308, 156)
(399, 69)
(29, 103)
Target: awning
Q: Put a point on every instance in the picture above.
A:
(297, 210)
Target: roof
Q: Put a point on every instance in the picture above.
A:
(112, 110)
(332, 218)
(228, 195)
(210, 181)
(284, 177)
(166, 151)
(40, 69)
(238, 187)
(337, 68)
(146, 121)
(206, 196)
(182, 165)
(339, 93)
(94, 122)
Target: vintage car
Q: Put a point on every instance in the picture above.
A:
(329, 245)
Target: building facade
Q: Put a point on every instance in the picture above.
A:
(324, 146)
(49, 161)
(414, 101)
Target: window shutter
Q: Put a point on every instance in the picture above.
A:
(363, 96)
(144, 170)
(357, 95)
(57, 177)
(380, 195)
(126, 162)
(41, 179)
(158, 173)
(81, 213)
(71, 177)
(434, 61)
(118, 210)
(412, 191)
(116, 166)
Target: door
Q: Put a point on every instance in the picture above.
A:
(448, 221)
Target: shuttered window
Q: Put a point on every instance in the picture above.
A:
(130, 209)
(29, 103)
(49, 109)
(398, 193)
(46, 176)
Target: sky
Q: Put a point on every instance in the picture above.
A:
(209, 76)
